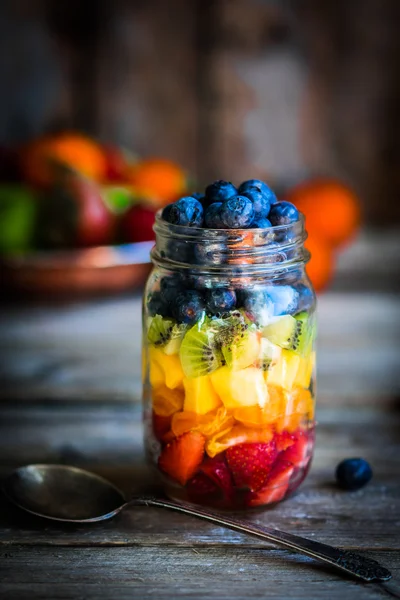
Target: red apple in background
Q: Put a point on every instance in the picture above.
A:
(74, 215)
(116, 163)
(137, 224)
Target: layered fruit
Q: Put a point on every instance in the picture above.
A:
(231, 405)
(229, 358)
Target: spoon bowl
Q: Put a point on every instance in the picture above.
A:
(63, 493)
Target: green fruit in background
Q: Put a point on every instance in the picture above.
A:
(118, 198)
(18, 208)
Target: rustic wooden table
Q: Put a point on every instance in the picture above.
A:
(69, 393)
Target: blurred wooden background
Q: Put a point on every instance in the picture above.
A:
(229, 88)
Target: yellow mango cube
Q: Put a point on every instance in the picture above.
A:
(283, 372)
(200, 396)
(165, 369)
(245, 387)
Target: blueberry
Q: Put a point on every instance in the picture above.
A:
(219, 191)
(220, 300)
(189, 306)
(257, 305)
(306, 297)
(170, 287)
(237, 212)
(198, 196)
(252, 185)
(157, 306)
(261, 202)
(187, 211)
(261, 222)
(208, 253)
(353, 473)
(284, 299)
(212, 216)
(283, 213)
(180, 251)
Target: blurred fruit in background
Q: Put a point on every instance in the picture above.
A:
(117, 163)
(332, 209)
(39, 158)
(333, 217)
(18, 206)
(74, 215)
(137, 224)
(161, 181)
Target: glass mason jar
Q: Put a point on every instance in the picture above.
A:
(228, 364)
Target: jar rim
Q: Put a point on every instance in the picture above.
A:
(278, 248)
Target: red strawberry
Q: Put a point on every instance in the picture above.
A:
(250, 464)
(161, 425)
(137, 224)
(284, 440)
(213, 483)
(298, 452)
(181, 458)
(276, 485)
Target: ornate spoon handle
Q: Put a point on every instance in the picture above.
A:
(359, 566)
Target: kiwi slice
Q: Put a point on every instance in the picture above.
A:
(238, 339)
(166, 334)
(268, 356)
(199, 352)
(293, 333)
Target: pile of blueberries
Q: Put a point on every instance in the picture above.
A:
(223, 206)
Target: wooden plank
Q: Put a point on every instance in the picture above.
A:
(173, 572)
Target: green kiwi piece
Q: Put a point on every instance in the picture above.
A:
(199, 352)
(268, 356)
(165, 334)
(293, 333)
(238, 340)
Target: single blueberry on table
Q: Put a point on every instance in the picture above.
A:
(261, 222)
(189, 306)
(353, 473)
(220, 300)
(157, 306)
(283, 213)
(219, 191)
(212, 216)
(237, 212)
(187, 211)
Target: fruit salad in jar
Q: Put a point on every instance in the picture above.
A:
(228, 353)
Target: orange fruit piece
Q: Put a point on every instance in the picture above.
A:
(39, 158)
(321, 264)
(239, 434)
(299, 407)
(166, 402)
(157, 179)
(332, 210)
(209, 424)
(181, 458)
(255, 416)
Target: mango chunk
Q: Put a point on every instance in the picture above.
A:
(200, 396)
(165, 369)
(245, 387)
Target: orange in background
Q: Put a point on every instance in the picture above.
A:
(78, 152)
(332, 210)
(158, 179)
(321, 265)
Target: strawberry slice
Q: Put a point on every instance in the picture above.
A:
(181, 458)
(213, 483)
(276, 486)
(298, 452)
(161, 425)
(284, 440)
(250, 464)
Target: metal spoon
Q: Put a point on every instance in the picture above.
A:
(65, 493)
